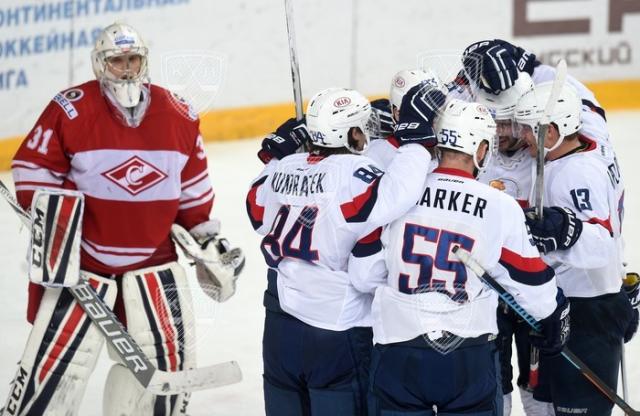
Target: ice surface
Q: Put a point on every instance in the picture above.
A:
(233, 330)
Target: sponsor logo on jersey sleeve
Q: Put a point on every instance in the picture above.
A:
(66, 106)
(135, 175)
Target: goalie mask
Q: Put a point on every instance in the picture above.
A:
(463, 126)
(119, 61)
(333, 113)
(565, 115)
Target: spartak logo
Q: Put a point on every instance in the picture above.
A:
(341, 102)
(135, 175)
(399, 82)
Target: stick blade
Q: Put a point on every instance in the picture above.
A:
(165, 383)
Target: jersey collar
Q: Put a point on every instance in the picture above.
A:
(454, 172)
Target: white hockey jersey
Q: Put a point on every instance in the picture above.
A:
(513, 173)
(589, 182)
(321, 218)
(382, 152)
(428, 290)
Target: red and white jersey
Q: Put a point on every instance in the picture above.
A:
(513, 173)
(428, 290)
(136, 181)
(589, 182)
(321, 219)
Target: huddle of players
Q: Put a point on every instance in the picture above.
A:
(334, 292)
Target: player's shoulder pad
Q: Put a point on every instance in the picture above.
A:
(77, 101)
(173, 103)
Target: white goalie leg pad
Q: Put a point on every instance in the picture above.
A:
(533, 407)
(60, 354)
(159, 317)
(54, 252)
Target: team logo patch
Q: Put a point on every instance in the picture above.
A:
(399, 82)
(73, 94)
(341, 102)
(497, 184)
(135, 175)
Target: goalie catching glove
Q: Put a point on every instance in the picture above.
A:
(217, 264)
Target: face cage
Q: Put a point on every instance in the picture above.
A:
(140, 77)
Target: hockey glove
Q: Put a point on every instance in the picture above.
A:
(381, 119)
(558, 230)
(494, 64)
(420, 106)
(217, 264)
(555, 328)
(286, 140)
(632, 289)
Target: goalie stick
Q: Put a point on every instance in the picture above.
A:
(607, 391)
(158, 382)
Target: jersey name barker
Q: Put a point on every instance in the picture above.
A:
(453, 201)
(297, 185)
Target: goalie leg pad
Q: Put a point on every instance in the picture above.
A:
(60, 354)
(54, 252)
(157, 303)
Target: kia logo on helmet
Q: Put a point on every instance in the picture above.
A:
(341, 102)
(399, 82)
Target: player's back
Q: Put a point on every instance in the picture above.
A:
(429, 289)
(310, 240)
(596, 195)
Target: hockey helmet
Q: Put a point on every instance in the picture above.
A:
(565, 115)
(406, 79)
(333, 112)
(125, 85)
(463, 126)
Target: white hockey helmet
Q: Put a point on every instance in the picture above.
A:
(565, 115)
(331, 113)
(116, 40)
(406, 79)
(503, 105)
(463, 126)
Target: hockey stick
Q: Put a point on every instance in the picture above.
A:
(543, 127)
(607, 391)
(158, 382)
(293, 55)
(623, 372)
